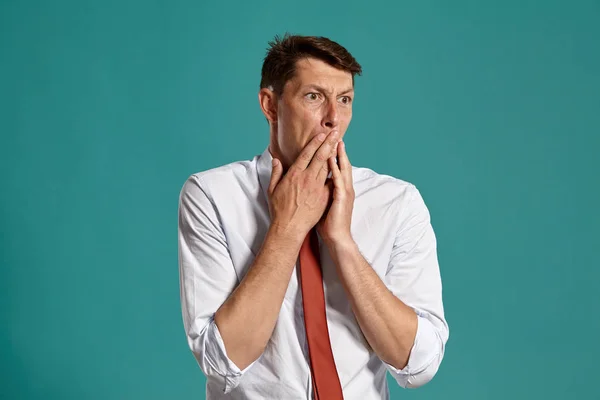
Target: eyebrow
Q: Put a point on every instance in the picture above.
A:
(322, 89)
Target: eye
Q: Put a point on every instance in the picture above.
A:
(312, 96)
(346, 99)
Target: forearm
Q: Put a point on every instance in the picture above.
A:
(387, 323)
(247, 318)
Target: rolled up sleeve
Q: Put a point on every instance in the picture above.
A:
(413, 276)
(207, 278)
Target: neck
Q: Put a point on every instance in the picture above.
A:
(274, 148)
(276, 153)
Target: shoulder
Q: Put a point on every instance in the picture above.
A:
(393, 196)
(366, 179)
(221, 179)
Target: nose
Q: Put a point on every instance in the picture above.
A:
(330, 117)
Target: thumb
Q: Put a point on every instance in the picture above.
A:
(275, 175)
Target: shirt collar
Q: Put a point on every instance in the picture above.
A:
(264, 167)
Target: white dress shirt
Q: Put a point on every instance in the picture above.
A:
(223, 219)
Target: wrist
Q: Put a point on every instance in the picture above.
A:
(342, 245)
(286, 232)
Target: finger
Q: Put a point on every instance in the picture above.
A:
(343, 157)
(323, 173)
(336, 174)
(330, 187)
(320, 158)
(276, 174)
(306, 155)
(344, 162)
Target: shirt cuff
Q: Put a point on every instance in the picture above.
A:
(424, 358)
(217, 356)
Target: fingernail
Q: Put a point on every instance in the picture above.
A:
(275, 162)
(321, 137)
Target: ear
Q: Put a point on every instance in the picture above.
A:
(268, 104)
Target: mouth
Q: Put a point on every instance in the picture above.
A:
(327, 133)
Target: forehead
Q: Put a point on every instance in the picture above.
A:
(311, 71)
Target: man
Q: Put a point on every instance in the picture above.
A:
(302, 276)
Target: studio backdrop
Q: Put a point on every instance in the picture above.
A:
(492, 109)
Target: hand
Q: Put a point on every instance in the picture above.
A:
(299, 199)
(334, 226)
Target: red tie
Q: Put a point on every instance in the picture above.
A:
(325, 378)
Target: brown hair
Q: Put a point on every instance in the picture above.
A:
(279, 64)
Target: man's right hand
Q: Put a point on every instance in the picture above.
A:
(298, 200)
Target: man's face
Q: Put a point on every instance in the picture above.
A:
(318, 99)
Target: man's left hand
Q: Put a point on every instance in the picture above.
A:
(334, 226)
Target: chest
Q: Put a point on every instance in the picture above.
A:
(372, 228)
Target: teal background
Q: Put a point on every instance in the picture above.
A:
(492, 109)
